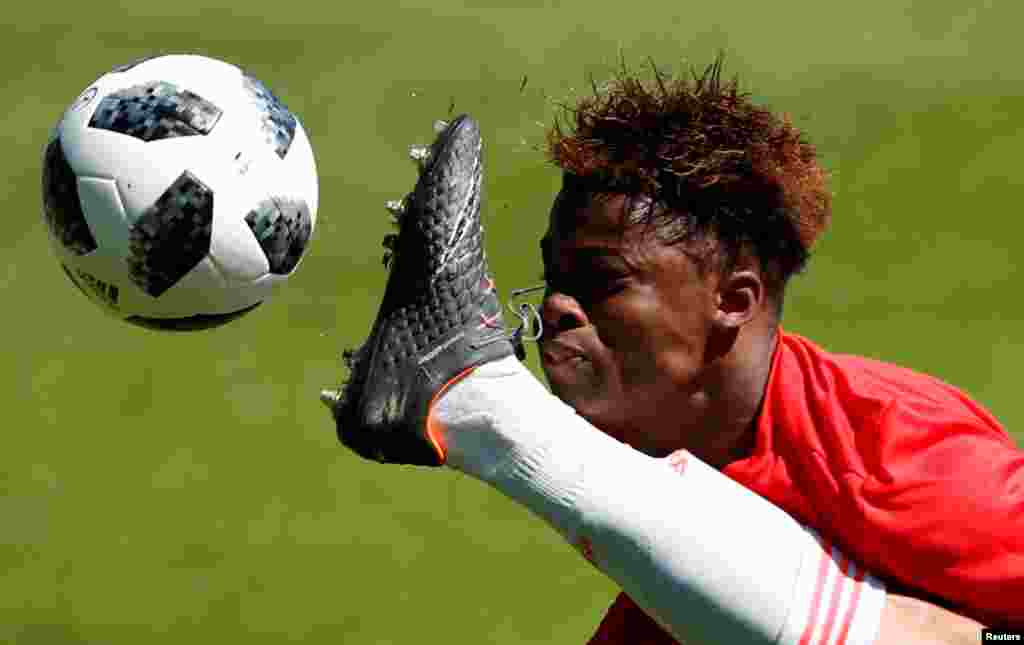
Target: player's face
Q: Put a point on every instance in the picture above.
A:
(626, 322)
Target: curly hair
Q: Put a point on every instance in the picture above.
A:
(712, 165)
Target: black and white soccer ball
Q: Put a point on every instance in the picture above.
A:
(178, 191)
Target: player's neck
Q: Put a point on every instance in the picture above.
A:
(732, 398)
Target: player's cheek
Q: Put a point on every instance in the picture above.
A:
(641, 330)
(622, 323)
(653, 354)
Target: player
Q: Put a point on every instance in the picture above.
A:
(684, 210)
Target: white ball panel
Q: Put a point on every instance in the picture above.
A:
(300, 169)
(275, 184)
(104, 277)
(143, 171)
(233, 246)
(144, 178)
(243, 144)
(104, 214)
(97, 153)
(200, 291)
(243, 294)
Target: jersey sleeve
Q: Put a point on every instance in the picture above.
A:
(939, 507)
(626, 623)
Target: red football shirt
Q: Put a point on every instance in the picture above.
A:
(903, 472)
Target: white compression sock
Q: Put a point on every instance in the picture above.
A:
(705, 557)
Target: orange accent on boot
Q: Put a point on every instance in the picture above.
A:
(433, 425)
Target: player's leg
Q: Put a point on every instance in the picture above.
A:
(707, 558)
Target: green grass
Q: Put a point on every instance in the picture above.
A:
(169, 489)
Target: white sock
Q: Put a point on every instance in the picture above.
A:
(705, 557)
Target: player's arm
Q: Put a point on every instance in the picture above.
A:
(708, 559)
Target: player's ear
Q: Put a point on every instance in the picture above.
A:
(740, 296)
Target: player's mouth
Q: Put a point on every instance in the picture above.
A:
(554, 353)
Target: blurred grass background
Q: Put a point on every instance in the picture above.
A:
(188, 488)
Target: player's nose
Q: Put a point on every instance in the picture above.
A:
(561, 313)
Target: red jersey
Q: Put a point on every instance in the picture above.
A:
(905, 474)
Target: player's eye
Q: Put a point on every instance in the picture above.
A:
(604, 284)
(587, 287)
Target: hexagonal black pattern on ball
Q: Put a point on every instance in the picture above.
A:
(282, 227)
(172, 236)
(276, 120)
(155, 110)
(62, 209)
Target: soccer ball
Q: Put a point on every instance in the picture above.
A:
(178, 191)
